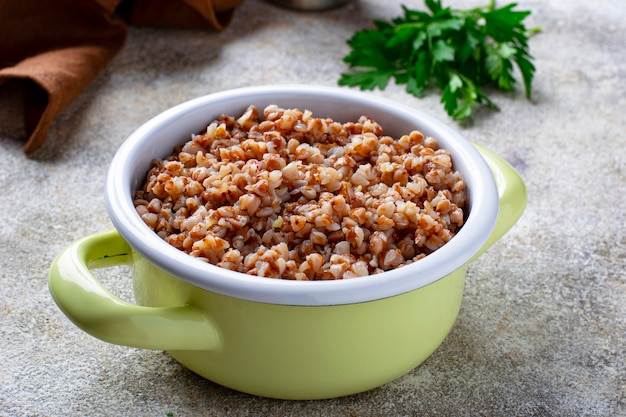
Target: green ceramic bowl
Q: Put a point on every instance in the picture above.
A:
(269, 337)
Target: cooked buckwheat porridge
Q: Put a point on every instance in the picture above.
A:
(289, 195)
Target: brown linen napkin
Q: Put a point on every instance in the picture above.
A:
(56, 48)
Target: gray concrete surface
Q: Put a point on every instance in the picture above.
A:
(543, 324)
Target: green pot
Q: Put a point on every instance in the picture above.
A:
(269, 337)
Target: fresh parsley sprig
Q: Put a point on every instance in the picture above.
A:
(458, 51)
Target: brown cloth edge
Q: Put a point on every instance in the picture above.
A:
(202, 14)
(46, 94)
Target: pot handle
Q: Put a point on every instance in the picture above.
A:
(512, 192)
(101, 314)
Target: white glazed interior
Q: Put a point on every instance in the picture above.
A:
(158, 137)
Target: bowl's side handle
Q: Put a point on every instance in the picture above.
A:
(512, 193)
(101, 314)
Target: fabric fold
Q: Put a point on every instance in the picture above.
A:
(56, 48)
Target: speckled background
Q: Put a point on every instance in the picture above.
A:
(542, 327)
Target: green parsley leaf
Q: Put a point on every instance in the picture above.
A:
(433, 5)
(438, 27)
(458, 51)
(443, 51)
(368, 80)
(505, 24)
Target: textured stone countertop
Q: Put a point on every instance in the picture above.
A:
(542, 327)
